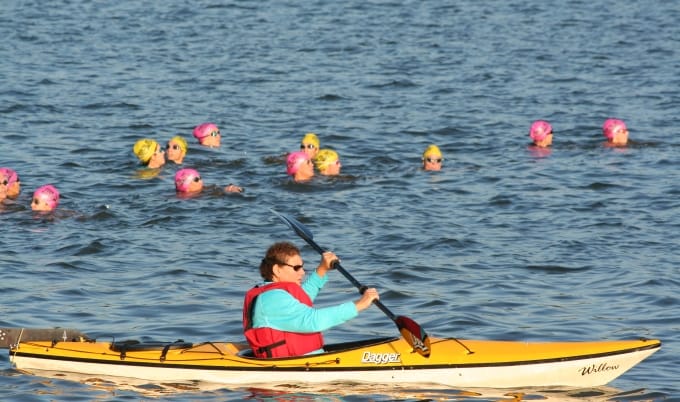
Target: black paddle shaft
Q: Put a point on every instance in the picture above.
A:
(343, 271)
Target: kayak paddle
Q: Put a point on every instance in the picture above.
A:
(12, 336)
(409, 329)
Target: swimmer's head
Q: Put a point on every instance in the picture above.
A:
(45, 198)
(10, 179)
(9, 175)
(612, 126)
(432, 151)
(181, 142)
(324, 158)
(208, 134)
(294, 161)
(432, 158)
(184, 179)
(539, 130)
(310, 145)
(309, 139)
(144, 149)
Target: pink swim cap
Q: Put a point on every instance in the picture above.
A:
(49, 194)
(184, 177)
(295, 160)
(204, 130)
(539, 130)
(610, 126)
(10, 175)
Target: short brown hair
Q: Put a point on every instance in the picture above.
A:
(277, 252)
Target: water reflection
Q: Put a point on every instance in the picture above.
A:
(51, 384)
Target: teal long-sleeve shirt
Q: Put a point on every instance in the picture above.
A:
(278, 309)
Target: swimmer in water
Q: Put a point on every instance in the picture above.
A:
(310, 145)
(10, 186)
(150, 153)
(189, 182)
(541, 133)
(45, 199)
(299, 166)
(176, 150)
(432, 158)
(327, 162)
(616, 132)
(208, 135)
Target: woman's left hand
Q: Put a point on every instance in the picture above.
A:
(328, 259)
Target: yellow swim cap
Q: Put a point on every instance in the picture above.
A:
(144, 149)
(181, 142)
(311, 138)
(324, 158)
(432, 150)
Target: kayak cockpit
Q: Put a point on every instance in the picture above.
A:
(124, 347)
(331, 348)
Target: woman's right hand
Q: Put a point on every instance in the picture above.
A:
(367, 299)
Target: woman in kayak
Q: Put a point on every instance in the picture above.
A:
(279, 318)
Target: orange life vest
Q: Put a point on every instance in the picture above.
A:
(270, 342)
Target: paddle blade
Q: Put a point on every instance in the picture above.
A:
(294, 224)
(414, 335)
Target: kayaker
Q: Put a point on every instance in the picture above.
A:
(616, 132)
(279, 318)
(149, 152)
(327, 162)
(310, 145)
(541, 133)
(299, 165)
(432, 158)
(177, 149)
(208, 134)
(45, 198)
(10, 179)
(188, 182)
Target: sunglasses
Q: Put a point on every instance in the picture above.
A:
(295, 267)
(308, 146)
(431, 160)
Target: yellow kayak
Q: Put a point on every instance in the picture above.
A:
(452, 362)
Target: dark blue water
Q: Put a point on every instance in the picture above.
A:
(580, 243)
